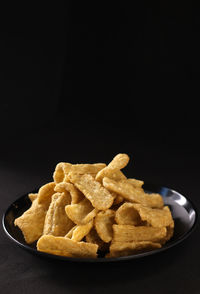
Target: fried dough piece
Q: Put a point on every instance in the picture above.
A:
(45, 193)
(118, 249)
(57, 223)
(63, 168)
(61, 171)
(132, 194)
(82, 212)
(87, 168)
(100, 198)
(155, 217)
(81, 169)
(117, 175)
(79, 232)
(70, 233)
(136, 183)
(103, 224)
(127, 233)
(32, 196)
(127, 215)
(112, 170)
(66, 247)
(48, 223)
(76, 195)
(31, 222)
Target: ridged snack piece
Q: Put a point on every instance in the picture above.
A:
(57, 223)
(127, 233)
(66, 247)
(31, 222)
(103, 224)
(82, 212)
(118, 249)
(113, 169)
(100, 198)
(133, 194)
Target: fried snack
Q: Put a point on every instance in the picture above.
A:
(127, 214)
(70, 233)
(100, 198)
(61, 171)
(48, 223)
(113, 168)
(76, 195)
(66, 247)
(79, 232)
(82, 212)
(31, 222)
(57, 223)
(63, 168)
(81, 169)
(103, 224)
(132, 194)
(118, 249)
(135, 183)
(87, 168)
(32, 196)
(45, 193)
(92, 209)
(155, 217)
(127, 233)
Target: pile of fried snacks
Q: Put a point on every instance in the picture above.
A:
(94, 210)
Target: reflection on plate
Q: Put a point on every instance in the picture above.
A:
(183, 212)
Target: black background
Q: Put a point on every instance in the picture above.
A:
(81, 83)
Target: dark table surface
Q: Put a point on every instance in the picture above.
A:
(27, 161)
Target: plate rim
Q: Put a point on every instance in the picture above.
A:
(104, 260)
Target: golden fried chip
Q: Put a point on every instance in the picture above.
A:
(45, 193)
(127, 233)
(132, 194)
(127, 215)
(82, 212)
(32, 196)
(103, 224)
(57, 222)
(90, 207)
(135, 183)
(63, 168)
(48, 223)
(61, 171)
(76, 195)
(85, 168)
(118, 249)
(70, 233)
(155, 217)
(113, 168)
(81, 169)
(66, 247)
(31, 222)
(117, 175)
(170, 232)
(79, 232)
(100, 198)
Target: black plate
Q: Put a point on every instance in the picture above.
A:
(183, 212)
